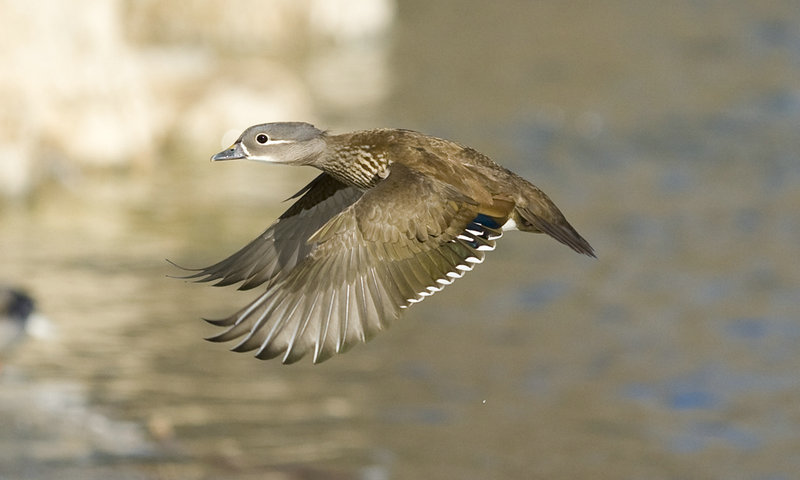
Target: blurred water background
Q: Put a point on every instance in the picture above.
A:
(668, 132)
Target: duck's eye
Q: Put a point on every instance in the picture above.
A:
(262, 138)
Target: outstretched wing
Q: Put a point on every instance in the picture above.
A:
(285, 243)
(401, 241)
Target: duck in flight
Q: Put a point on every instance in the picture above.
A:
(394, 217)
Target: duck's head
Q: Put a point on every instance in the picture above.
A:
(294, 143)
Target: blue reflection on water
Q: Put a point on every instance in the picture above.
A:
(699, 435)
(691, 397)
(747, 328)
(541, 293)
(709, 387)
(700, 403)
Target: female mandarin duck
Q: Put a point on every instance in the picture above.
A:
(394, 217)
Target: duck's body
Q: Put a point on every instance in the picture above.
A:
(394, 217)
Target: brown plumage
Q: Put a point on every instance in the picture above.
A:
(394, 217)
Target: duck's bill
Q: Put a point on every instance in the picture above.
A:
(235, 152)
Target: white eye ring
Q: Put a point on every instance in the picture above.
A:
(262, 138)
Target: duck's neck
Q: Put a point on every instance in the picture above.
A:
(353, 160)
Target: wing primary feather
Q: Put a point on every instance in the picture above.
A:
(344, 319)
(236, 327)
(295, 344)
(324, 333)
(254, 341)
(268, 347)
